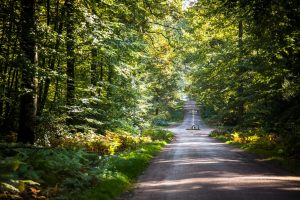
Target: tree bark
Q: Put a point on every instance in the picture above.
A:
(26, 132)
(94, 67)
(5, 50)
(101, 77)
(58, 27)
(110, 80)
(70, 52)
(241, 31)
(241, 71)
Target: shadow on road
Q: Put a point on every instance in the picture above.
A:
(196, 167)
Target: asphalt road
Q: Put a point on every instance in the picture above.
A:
(196, 167)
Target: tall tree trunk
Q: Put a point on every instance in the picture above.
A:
(5, 51)
(57, 93)
(26, 132)
(241, 31)
(58, 27)
(110, 80)
(101, 76)
(240, 91)
(94, 66)
(70, 52)
(40, 103)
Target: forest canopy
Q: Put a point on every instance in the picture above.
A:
(87, 65)
(90, 66)
(87, 85)
(244, 60)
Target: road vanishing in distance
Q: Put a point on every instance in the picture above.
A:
(196, 167)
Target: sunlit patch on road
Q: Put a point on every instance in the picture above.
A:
(196, 167)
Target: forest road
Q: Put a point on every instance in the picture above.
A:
(196, 167)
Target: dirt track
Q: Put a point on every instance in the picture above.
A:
(196, 167)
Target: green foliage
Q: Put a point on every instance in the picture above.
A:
(109, 143)
(171, 116)
(158, 134)
(160, 121)
(123, 170)
(107, 164)
(176, 114)
(123, 59)
(268, 146)
(48, 172)
(242, 59)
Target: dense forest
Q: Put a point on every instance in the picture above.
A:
(98, 75)
(245, 67)
(86, 65)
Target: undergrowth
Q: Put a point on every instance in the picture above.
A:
(269, 147)
(121, 171)
(78, 166)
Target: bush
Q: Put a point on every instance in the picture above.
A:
(43, 173)
(158, 134)
(160, 121)
(109, 143)
(107, 163)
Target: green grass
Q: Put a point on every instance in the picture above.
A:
(122, 171)
(61, 173)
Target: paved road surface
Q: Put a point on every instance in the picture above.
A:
(196, 167)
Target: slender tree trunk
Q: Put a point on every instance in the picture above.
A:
(241, 71)
(101, 77)
(41, 100)
(10, 92)
(241, 31)
(101, 71)
(110, 81)
(94, 67)
(48, 12)
(7, 32)
(57, 89)
(156, 111)
(59, 27)
(70, 52)
(26, 132)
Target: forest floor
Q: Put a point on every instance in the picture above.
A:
(195, 166)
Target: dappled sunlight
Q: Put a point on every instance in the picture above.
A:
(197, 161)
(290, 189)
(221, 183)
(195, 166)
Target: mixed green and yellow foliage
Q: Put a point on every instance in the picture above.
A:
(243, 59)
(81, 79)
(278, 150)
(87, 166)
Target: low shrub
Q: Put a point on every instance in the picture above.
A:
(158, 134)
(268, 145)
(106, 163)
(109, 143)
(45, 173)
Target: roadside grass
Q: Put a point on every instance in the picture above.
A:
(81, 167)
(267, 147)
(122, 172)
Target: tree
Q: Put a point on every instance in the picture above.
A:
(96, 57)
(28, 97)
(243, 58)
(70, 51)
